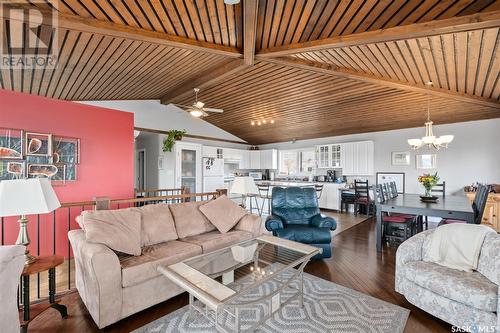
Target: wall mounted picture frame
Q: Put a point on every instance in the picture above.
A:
(387, 177)
(41, 170)
(426, 161)
(65, 149)
(401, 158)
(11, 143)
(60, 177)
(38, 144)
(13, 169)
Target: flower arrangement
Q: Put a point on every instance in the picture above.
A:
(428, 181)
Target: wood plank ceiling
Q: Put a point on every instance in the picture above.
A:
(321, 67)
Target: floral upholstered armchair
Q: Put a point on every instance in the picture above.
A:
(460, 298)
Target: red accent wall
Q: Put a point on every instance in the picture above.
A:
(107, 156)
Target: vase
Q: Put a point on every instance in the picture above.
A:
(428, 192)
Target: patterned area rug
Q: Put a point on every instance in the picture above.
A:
(328, 307)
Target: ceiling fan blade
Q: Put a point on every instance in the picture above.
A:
(183, 106)
(213, 110)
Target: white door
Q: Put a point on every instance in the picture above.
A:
(188, 170)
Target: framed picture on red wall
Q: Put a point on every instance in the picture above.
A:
(65, 149)
(38, 144)
(11, 143)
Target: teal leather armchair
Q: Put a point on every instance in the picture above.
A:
(295, 216)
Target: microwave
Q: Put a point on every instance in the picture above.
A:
(255, 175)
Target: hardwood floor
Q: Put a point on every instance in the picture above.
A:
(355, 264)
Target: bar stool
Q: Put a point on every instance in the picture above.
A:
(319, 190)
(266, 197)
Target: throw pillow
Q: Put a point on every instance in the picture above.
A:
(189, 221)
(119, 229)
(223, 213)
(157, 224)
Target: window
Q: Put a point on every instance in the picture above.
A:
(288, 162)
(297, 161)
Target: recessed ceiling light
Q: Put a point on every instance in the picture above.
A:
(252, 123)
(272, 121)
(264, 121)
(259, 123)
(429, 83)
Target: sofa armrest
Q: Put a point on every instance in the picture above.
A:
(274, 223)
(98, 279)
(251, 223)
(320, 221)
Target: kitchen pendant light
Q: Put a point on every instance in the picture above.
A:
(430, 140)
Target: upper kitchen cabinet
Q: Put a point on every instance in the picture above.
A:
(255, 159)
(329, 156)
(269, 159)
(357, 158)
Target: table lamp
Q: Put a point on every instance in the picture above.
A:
(244, 186)
(24, 197)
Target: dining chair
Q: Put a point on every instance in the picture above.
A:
(396, 227)
(362, 193)
(346, 198)
(478, 206)
(394, 189)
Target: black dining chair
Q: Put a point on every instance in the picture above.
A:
(395, 229)
(362, 193)
(478, 206)
(319, 190)
(440, 190)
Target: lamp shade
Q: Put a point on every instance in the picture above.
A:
(27, 196)
(244, 186)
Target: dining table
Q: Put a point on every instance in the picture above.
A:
(450, 207)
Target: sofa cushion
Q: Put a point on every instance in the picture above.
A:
(223, 213)
(251, 223)
(119, 229)
(157, 224)
(305, 234)
(470, 288)
(215, 240)
(144, 267)
(489, 258)
(189, 220)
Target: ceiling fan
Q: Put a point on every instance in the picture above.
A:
(198, 108)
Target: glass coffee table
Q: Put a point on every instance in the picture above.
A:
(239, 287)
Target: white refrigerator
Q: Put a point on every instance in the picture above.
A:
(213, 174)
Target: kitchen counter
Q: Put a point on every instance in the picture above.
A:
(285, 183)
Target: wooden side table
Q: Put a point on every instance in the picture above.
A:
(43, 263)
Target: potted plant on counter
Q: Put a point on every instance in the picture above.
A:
(172, 136)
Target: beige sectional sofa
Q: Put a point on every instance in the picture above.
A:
(114, 285)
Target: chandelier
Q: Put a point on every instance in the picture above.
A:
(430, 140)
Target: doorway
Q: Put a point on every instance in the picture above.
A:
(140, 168)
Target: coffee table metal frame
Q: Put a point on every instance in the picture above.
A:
(217, 299)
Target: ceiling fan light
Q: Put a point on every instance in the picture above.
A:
(196, 113)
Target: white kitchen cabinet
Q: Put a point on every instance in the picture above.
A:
(323, 156)
(329, 156)
(255, 159)
(330, 196)
(357, 158)
(269, 159)
(244, 159)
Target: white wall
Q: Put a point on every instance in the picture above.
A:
(474, 155)
(152, 114)
(150, 144)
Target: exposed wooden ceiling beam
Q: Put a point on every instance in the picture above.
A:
(78, 23)
(417, 30)
(341, 72)
(206, 79)
(250, 30)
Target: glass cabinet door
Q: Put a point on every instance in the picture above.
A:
(188, 169)
(335, 157)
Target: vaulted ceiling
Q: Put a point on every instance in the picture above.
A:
(316, 67)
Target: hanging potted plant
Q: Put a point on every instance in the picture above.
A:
(172, 136)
